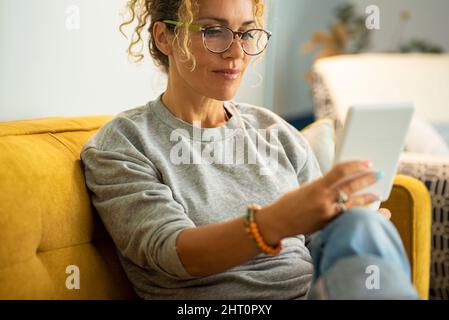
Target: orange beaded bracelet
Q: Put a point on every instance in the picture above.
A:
(253, 231)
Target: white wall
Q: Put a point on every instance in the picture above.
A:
(429, 20)
(50, 70)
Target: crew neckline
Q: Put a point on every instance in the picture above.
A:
(225, 131)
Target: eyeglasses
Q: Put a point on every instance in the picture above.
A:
(218, 39)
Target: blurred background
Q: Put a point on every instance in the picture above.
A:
(66, 57)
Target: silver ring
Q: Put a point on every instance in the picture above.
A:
(342, 197)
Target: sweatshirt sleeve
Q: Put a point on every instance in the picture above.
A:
(138, 210)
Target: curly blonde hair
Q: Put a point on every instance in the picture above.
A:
(151, 11)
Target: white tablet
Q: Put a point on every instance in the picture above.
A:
(376, 133)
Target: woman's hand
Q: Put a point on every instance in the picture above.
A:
(310, 207)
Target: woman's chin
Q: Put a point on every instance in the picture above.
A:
(225, 95)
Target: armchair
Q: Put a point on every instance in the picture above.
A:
(342, 81)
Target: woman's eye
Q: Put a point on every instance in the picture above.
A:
(214, 32)
(247, 36)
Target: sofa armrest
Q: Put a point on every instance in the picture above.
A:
(433, 171)
(410, 205)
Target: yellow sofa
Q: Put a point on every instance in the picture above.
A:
(48, 224)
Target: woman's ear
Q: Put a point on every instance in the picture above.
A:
(162, 38)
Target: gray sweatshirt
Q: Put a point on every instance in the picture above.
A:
(152, 175)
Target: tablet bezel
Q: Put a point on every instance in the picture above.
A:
(394, 120)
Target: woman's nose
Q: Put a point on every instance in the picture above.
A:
(236, 48)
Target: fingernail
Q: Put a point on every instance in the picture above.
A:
(379, 175)
(369, 164)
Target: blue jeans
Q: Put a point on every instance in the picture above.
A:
(359, 255)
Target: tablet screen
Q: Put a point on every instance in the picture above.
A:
(376, 133)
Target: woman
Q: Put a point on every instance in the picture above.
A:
(175, 181)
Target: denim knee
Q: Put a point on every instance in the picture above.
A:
(366, 277)
(359, 232)
(359, 222)
(359, 216)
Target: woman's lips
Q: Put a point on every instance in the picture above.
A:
(228, 74)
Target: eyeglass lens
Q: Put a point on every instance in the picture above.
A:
(219, 39)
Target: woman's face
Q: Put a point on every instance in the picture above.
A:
(207, 80)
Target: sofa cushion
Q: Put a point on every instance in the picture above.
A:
(321, 137)
(46, 219)
(443, 129)
(423, 138)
